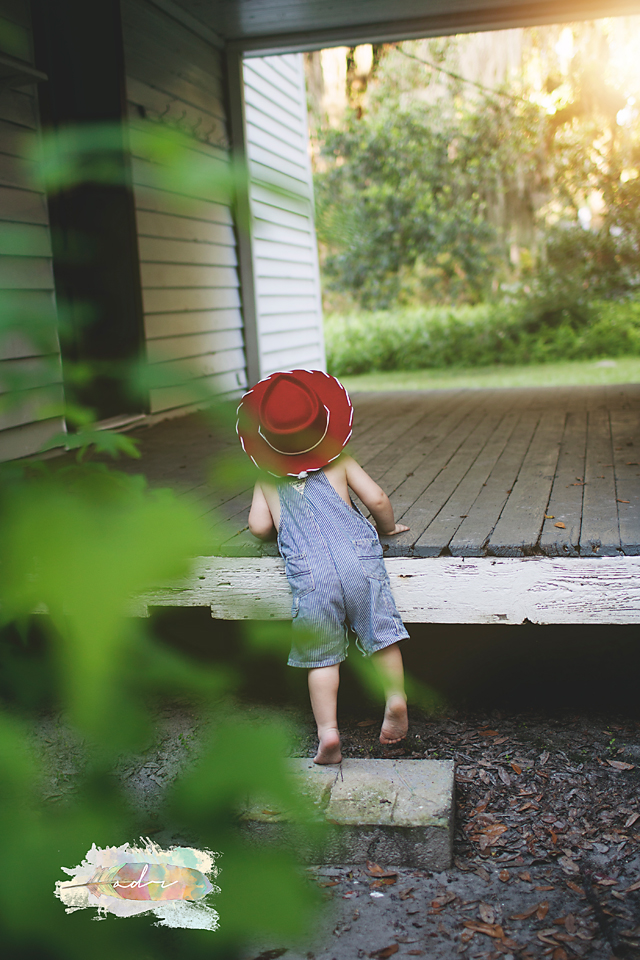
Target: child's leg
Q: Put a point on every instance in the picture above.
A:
(323, 691)
(388, 662)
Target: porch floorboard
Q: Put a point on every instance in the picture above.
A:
(472, 472)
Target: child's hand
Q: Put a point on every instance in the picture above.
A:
(399, 528)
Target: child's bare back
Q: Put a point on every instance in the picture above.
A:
(342, 474)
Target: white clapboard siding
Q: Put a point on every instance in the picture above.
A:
(30, 369)
(187, 243)
(284, 250)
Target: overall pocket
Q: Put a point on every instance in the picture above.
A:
(300, 578)
(369, 553)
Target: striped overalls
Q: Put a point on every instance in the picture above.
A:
(333, 561)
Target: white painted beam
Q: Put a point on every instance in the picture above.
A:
(430, 590)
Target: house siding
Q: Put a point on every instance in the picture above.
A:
(26, 273)
(284, 248)
(187, 243)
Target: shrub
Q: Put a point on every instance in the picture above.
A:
(481, 335)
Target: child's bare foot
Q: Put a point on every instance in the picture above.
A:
(396, 720)
(329, 747)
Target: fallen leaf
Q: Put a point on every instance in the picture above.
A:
(549, 516)
(407, 894)
(385, 952)
(366, 723)
(501, 740)
(375, 870)
(490, 929)
(330, 883)
(544, 936)
(544, 756)
(516, 767)
(607, 882)
(548, 887)
(621, 765)
(629, 822)
(486, 913)
(525, 875)
(443, 900)
(467, 935)
(634, 886)
(482, 873)
(543, 909)
(525, 913)
(559, 954)
(570, 923)
(569, 866)
(488, 733)
(382, 882)
(504, 876)
(623, 501)
(560, 524)
(415, 953)
(576, 889)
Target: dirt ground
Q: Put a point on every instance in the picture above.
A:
(546, 848)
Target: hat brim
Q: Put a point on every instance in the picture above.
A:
(336, 400)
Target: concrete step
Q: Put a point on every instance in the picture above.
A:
(396, 812)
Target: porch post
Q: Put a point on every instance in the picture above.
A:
(238, 130)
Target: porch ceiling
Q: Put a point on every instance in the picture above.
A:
(277, 26)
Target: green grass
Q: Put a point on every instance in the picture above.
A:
(626, 370)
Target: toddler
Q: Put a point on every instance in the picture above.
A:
(294, 426)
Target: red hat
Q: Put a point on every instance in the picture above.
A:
(295, 421)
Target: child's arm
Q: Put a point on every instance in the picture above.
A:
(373, 497)
(260, 519)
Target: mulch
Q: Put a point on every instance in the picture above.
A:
(547, 823)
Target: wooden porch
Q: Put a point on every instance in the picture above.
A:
(474, 473)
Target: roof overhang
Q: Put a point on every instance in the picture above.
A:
(259, 27)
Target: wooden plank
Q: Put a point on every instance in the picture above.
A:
(27, 439)
(157, 300)
(198, 321)
(164, 201)
(148, 175)
(26, 273)
(175, 348)
(407, 451)
(406, 496)
(435, 539)
(473, 533)
(283, 270)
(267, 73)
(600, 534)
(284, 304)
(176, 227)
(283, 323)
(22, 206)
(429, 590)
(625, 430)
(422, 512)
(28, 406)
(278, 250)
(19, 108)
(310, 357)
(231, 382)
(183, 275)
(159, 250)
(17, 141)
(272, 342)
(205, 125)
(565, 503)
(276, 287)
(34, 371)
(17, 172)
(518, 529)
(176, 42)
(24, 239)
(203, 366)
